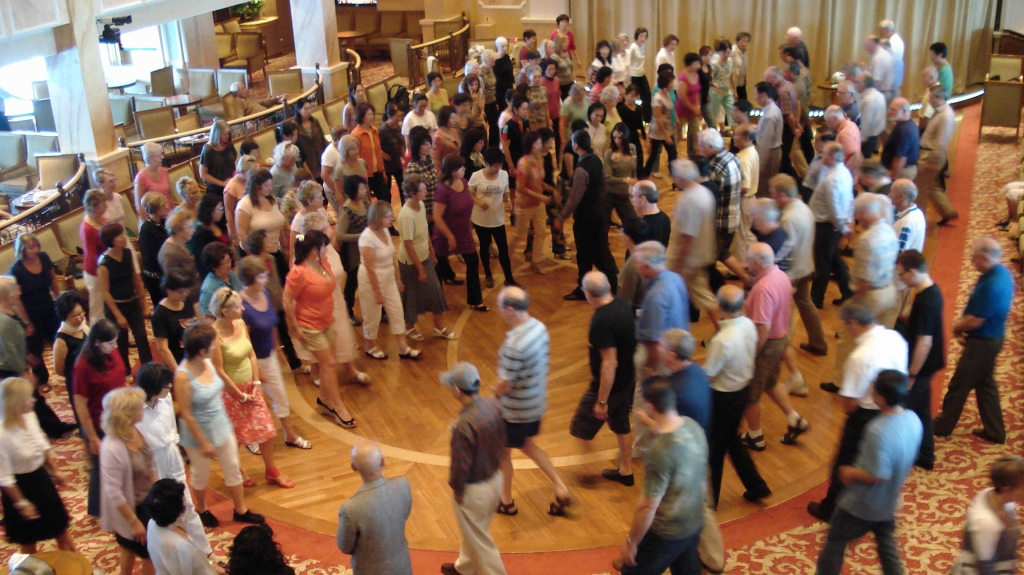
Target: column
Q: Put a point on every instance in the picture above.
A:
(200, 41)
(315, 30)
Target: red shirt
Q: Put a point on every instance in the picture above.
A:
(522, 54)
(848, 136)
(92, 248)
(595, 93)
(771, 301)
(572, 39)
(554, 97)
(93, 384)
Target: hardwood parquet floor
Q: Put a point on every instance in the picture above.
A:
(409, 413)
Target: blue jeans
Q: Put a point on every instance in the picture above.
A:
(845, 528)
(655, 554)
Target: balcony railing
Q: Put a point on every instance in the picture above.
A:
(66, 197)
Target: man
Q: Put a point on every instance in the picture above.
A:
(816, 169)
(846, 97)
(739, 64)
(874, 258)
(794, 37)
(874, 481)
(590, 227)
(694, 243)
(727, 175)
(800, 77)
(874, 178)
(740, 114)
(932, 159)
(687, 378)
(880, 65)
(768, 230)
(769, 130)
(730, 365)
(929, 78)
(925, 339)
(371, 525)
(750, 165)
(612, 339)
(523, 389)
(832, 206)
(902, 147)
(769, 307)
(644, 197)
(872, 113)
(669, 515)
(983, 326)
(392, 145)
(477, 444)
(789, 104)
(937, 53)
(887, 31)
(848, 136)
(910, 223)
(665, 306)
(246, 107)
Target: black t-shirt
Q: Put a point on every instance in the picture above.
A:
(120, 275)
(220, 165)
(170, 325)
(613, 326)
(513, 132)
(35, 288)
(926, 319)
(659, 226)
(151, 238)
(775, 238)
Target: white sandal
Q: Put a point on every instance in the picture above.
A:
(445, 333)
(363, 378)
(414, 335)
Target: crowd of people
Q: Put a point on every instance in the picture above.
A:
(256, 263)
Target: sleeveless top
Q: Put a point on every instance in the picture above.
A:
(142, 470)
(74, 345)
(121, 276)
(236, 358)
(261, 326)
(208, 410)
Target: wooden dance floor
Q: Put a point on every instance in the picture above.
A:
(409, 414)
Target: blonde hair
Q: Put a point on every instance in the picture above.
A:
(184, 185)
(219, 127)
(246, 163)
(312, 221)
(308, 191)
(100, 174)
(8, 285)
(153, 202)
(250, 267)
(544, 51)
(376, 214)
(149, 149)
(177, 220)
(22, 242)
(289, 206)
(285, 150)
(14, 391)
(221, 298)
(348, 143)
(119, 409)
(93, 199)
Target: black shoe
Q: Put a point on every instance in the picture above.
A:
(614, 475)
(830, 387)
(815, 510)
(753, 443)
(946, 221)
(819, 305)
(840, 300)
(926, 465)
(208, 520)
(512, 283)
(813, 350)
(248, 517)
(454, 282)
(1003, 223)
(755, 497)
(986, 436)
(489, 282)
(574, 295)
(384, 317)
(449, 569)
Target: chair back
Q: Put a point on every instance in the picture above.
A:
(1006, 66)
(248, 44)
(202, 82)
(56, 168)
(131, 219)
(377, 95)
(188, 122)
(7, 257)
(148, 103)
(121, 109)
(228, 76)
(392, 24)
(284, 82)
(266, 141)
(318, 113)
(154, 123)
(40, 91)
(225, 46)
(67, 231)
(333, 111)
(175, 173)
(161, 82)
(39, 143)
(232, 25)
(12, 150)
(399, 48)
(49, 243)
(413, 29)
(43, 113)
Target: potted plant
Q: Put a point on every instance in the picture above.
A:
(248, 11)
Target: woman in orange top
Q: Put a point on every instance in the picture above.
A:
(309, 310)
(531, 200)
(371, 152)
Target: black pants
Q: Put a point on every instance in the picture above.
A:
(46, 324)
(919, 400)
(351, 284)
(491, 112)
(644, 87)
(974, 371)
(282, 326)
(853, 431)
(622, 206)
(485, 235)
(592, 250)
(132, 312)
(826, 261)
(152, 285)
(564, 90)
(725, 421)
(786, 166)
(636, 140)
(741, 92)
(473, 294)
(807, 142)
(380, 187)
(868, 146)
(655, 160)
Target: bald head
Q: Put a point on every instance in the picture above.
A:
(794, 35)
(367, 460)
(730, 300)
(515, 298)
(596, 284)
(899, 110)
(762, 254)
(986, 253)
(929, 76)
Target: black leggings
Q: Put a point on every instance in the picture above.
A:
(282, 326)
(380, 187)
(655, 159)
(46, 324)
(152, 285)
(351, 284)
(485, 235)
(132, 312)
(473, 294)
(492, 111)
(645, 94)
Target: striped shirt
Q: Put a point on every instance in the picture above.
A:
(523, 363)
(726, 172)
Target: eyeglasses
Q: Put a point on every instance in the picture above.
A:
(219, 209)
(78, 316)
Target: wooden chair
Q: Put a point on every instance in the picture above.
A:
(50, 244)
(161, 82)
(377, 95)
(175, 173)
(188, 122)
(228, 76)
(155, 123)
(121, 110)
(1006, 67)
(56, 168)
(284, 82)
(225, 47)
(148, 103)
(249, 53)
(333, 111)
(231, 25)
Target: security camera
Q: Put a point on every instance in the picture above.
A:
(115, 21)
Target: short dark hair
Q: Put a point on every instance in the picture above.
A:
(449, 165)
(433, 76)
(418, 97)
(639, 31)
(361, 109)
(213, 254)
(311, 240)
(175, 279)
(529, 33)
(792, 52)
(561, 18)
(197, 338)
(577, 125)
(544, 63)
(939, 48)
(658, 391)
(743, 106)
(892, 386)
(722, 44)
(664, 81)
(669, 39)
(666, 68)
(912, 260)
(594, 108)
(207, 206)
(66, 303)
(350, 186)
(532, 54)
(742, 35)
(518, 101)
(392, 109)
(255, 242)
(444, 115)
(460, 99)
(109, 233)
(546, 134)
(416, 140)
(582, 140)
(603, 73)
(493, 156)
(166, 501)
(767, 89)
(247, 147)
(826, 135)
(529, 139)
(153, 377)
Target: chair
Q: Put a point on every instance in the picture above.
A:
(225, 47)
(13, 155)
(188, 122)
(56, 168)
(155, 123)
(1006, 67)
(318, 113)
(67, 232)
(392, 25)
(121, 110)
(42, 111)
(399, 81)
(161, 82)
(400, 54)
(231, 25)
(249, 53)
(50, 245)
(333, 111)
(266, 141)
(377, 95)
(228, 76)
(283, 82)
(40, 91)
(1001, 105)
(25, 177)
(131, 219)
(148, 103)
(202, 82)
(177, 172)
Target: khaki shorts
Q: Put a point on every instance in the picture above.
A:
(699, 289)
(767, 366)
(318, 340)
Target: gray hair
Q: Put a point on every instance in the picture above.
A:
(101, 174)
(576, 88)
(869, 205)
(767, 209)
(533, 71)
(312, 221)
(678, 341)
(596, 284)
(773, 71)
(514, 297)
(285, 150)
(684, 170)
(834, 112)
(8, 285)
(906, 188)
(785, 184)
(610, 94)
(246, 163)
(867, 79)
(730, 306)
(220, 127)
(846, 87)
(149, 149)
(761, 253)
(710, 138)
(543, 48)
(488, 57)
(988, 246)
(835, 149)
(500, 40)
(888, 25)
(859, 311)
(932, 72)
(647, 189)
(939, 92)
(651, 253)
(348, 142)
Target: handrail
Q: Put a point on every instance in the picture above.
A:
(450, 51)
(354, 72)
(59, 200)
(438, 41)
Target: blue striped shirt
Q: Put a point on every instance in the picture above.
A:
(523, 363)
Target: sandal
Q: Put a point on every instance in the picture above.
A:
(376, 353)
(249, 482)
(479, 307)
(346, 423)
(281, 481)
(413, 334)
(305, 369)
(409, 353)
(794, 431)
(559, 506)
(363, 378)
(254, 449)
(299, 443)
(509, 509)
(445, 333)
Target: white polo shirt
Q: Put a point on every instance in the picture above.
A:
(910, 228)
(878, 349)
(731, 353)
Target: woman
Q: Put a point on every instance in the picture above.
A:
(205, 429)
(255, 551)
(596, 129)
(217, 160)
(662, 130)
(610, 98)
(95, 205)
(286, 156)
(220, 260)
(33, 510)
(538, 97)
(689, 99)
(423, 292)
(422, 165)
(638, 70)
(169, 545)
(234, 192)
(437, 96)
(632, 117)
(549, 81)
(34, 272)
(453, 227)
(235, 362)
(128, 474)
(311, 196)
(446, 138)
(107, 181)
(153, 177)
(351, 164)
(309, 307)
(489, 190)
(563, 60)
(531, 199)
(351, 223)
(370, 151)
(472, 150)
(602, 58)
(171, 317)
(174, 254)
(97, 370)
(704, 72)
(259, 210)
(209, 228)
(573, 108)
(190, 194)
(620, 170)
(261, 320)
(380, 284)
(122, 293)
(620, 61)
(492, 107)
(722, 89)
(70, 308)
(311, 135)
(392, 147)
(471, 85)
(256, 245)
(356, 96)
(152, 235)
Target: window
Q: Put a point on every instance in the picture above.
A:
(16, 84)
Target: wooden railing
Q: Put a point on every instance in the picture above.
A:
(450, 52)
(355, 64)
(68, 197)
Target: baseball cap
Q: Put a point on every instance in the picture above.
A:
(462, 375)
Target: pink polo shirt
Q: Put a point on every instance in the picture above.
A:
(771, 301)
(848, 136)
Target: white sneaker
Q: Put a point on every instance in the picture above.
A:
(796, 385)
(657, 175)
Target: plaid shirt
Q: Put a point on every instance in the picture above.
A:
(425, 168)
(478, 442)
(874, 258)
(725, 171)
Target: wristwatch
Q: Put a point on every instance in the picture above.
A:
(602, 403)
(22, 504)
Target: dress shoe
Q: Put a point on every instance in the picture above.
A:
(815, 510)
(574, 295)
(813, 350)
(982, 434)
(830, 387)
(755, 497)
(449, 569)
(839, 300)
(946, 221)
(614, 475)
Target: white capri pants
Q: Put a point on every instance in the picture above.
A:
(226, 454)
(273, 385)
(392, 302)
(1014, 191)
(92, 283)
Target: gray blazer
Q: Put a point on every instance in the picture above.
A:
(371, 527)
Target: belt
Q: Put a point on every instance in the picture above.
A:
(126, 300)
(873, 288)
(928, 149)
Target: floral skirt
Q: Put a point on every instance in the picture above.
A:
(251, 420)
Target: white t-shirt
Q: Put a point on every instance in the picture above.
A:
(300, 217)
(331, 158)
(271, 220)
(664, 57)
(750, 167)
(493, 192)
(877, 349)
(695, 217)
(984, 527)
(427, 120)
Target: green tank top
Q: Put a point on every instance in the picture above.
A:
(236, 359)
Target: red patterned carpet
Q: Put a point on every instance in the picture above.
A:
(781, 539)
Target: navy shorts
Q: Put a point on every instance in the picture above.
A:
(516, 434)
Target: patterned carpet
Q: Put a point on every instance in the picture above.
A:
(782, 539)
(372, 71)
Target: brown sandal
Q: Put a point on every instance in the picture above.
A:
(559, 506)
(508, 508)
